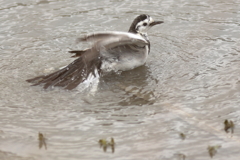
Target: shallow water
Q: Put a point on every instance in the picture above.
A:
(190, 83)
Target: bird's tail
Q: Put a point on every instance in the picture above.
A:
(72, 75)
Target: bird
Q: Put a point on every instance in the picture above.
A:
(111, 51)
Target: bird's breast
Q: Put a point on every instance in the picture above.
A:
(125, 58)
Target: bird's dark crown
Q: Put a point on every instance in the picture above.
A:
(138, 19)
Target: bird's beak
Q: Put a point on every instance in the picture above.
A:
(155, 23)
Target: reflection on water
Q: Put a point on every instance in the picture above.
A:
(105, 144)
(132, 84)
(182, 136)
(171, 108)
(42, 141)
(212, 150)
(229, 125)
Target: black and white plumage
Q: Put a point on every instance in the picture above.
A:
(111, 51)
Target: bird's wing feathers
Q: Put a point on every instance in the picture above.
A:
(89, 61)
(109, 40)
(113, 39)
(75, 73)
(79, 53)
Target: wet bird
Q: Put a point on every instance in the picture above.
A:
(110, 51)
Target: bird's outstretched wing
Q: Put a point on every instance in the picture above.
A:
(89, 61)
(113, 38)
(69, 77)
(108, 41)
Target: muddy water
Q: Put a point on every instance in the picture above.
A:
(190, 84)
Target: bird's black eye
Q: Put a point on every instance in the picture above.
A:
(144, 24)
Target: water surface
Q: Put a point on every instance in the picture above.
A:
(190, 83)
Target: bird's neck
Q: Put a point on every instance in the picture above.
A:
(144, 35)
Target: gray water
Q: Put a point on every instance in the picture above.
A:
(190, 83)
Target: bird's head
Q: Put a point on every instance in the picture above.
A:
(142, 23)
